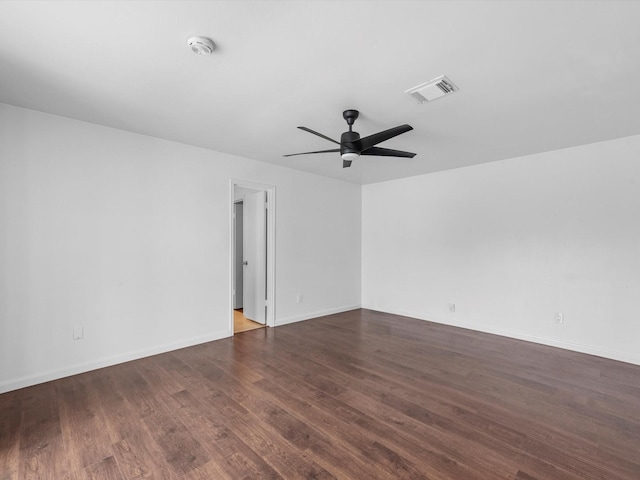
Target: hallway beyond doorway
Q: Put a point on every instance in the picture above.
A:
(242, 323)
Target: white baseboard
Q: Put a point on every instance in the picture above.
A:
(29, 380)
(574, 347)
(308, 316)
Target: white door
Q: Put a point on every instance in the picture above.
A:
(254, 251)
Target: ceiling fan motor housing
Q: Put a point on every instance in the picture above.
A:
(348, 143)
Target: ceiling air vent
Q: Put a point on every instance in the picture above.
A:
(436, 88)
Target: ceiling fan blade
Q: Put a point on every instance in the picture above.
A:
(346, 163)
(368, 142)
(307, 153)
(387, 152)
(318, 134)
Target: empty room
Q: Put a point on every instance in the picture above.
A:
(320, 240)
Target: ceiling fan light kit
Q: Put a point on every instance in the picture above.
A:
(433, 89)
(352, 146)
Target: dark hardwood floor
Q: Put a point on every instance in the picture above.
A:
(359, 395)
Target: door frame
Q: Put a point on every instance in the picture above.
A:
(271, 247)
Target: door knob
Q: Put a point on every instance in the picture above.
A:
(245, 263)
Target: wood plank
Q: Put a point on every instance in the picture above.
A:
(222, 444)
(106, 469)
(243, 324)
(42, 450)
(11, 405)
(84, 428)
(219, 410)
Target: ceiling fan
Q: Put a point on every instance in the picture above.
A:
(352, 146)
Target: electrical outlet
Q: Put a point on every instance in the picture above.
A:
(299, 297)
(78, 333)
(559, 317)
(452, 307)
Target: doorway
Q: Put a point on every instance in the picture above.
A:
(252, 277)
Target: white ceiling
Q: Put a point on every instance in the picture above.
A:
(533, 76)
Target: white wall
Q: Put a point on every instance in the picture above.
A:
(513, 242)
(128, 236)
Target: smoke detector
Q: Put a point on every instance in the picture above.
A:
(432, 90)
(201, 45)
